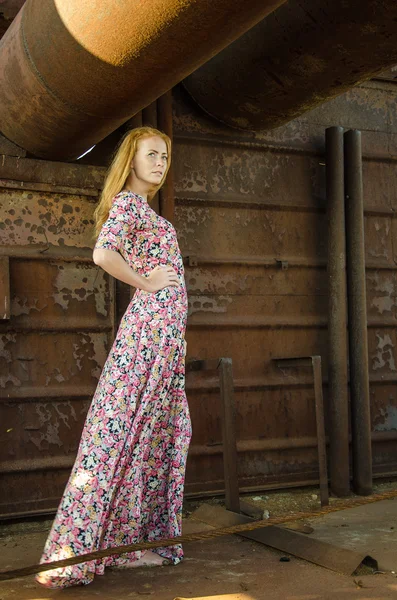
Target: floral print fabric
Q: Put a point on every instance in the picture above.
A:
(126, 485)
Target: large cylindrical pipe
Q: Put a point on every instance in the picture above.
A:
(10, 8)
(357, 303)
(72, 72)
(337, 315)
(303, 54)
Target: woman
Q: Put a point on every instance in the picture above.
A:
(127, 482)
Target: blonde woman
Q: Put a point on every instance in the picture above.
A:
(127, 482)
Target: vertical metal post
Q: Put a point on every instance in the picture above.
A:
(164, 123)
(149, 119)
(337, 314)
(229, 434)
(135, 121)
(149, 115)
(321, 446)
(132, 123)
(359, 376)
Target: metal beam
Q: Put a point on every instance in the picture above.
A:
(302, 55)
(72, 72)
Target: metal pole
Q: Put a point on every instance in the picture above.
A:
(359, 377)
(232, 499)
(321, 445)
(149, 119)
(149, 115)
(164, 123)
(337, 315)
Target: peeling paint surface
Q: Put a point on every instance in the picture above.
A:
(384, 355)
(54, 346)
(251, 221)
(46, 291)
(44, 218)
(389, 419)
(251, 217)
(79, 285)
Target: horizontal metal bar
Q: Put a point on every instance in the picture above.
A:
(45, 252)
(260, 261)
(33, 394)
(294, 361)
(58, 326)
(272, 381)
(214, 140)
(18, 395)
(38, 512)
(219, 491)
(46, 187)
(310, 322)
(235, 200)
(84, 255)
(292, 262)
(255, 446)
(262, 445)
(51, 172)
(196, 321)
(202, 365)
(252, 202)
(48, 463)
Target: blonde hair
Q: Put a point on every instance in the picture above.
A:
(120, 169)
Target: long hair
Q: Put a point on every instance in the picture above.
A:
(120, 169)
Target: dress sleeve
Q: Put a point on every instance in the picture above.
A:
(121, 222)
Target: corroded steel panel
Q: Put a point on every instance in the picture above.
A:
(248, 174)
(219, 232)
(250, 213)
(52, 349)
(49, 294)
(250, 216)
(45, 218)
(50, 363)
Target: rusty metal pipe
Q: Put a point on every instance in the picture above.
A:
(72, 72)
(337, 315)
(164, 122)
(10, 8)
(356, 294)
(302, 55)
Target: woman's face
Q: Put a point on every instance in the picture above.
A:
(150, 162)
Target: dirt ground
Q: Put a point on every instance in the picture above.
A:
(226, 568)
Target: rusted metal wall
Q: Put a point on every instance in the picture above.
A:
(250, 212)
(250, 215)
(60, 328)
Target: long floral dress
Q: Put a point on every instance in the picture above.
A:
(126, 485)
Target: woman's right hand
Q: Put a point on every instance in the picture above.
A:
(161, 277)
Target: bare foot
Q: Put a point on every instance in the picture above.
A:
(148, 559)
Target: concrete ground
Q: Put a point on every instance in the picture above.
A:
(227, 568)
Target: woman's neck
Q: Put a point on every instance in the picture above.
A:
(137, 187)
